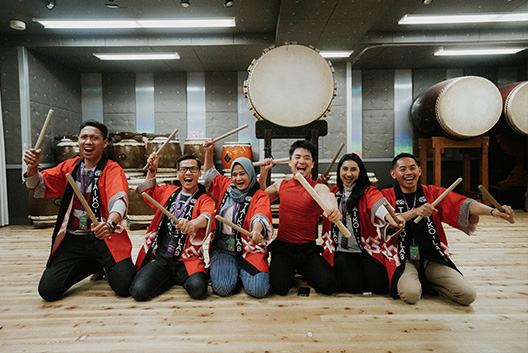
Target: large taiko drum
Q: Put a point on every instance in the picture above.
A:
(290, 85)
(233, 150)
(67, 148)
(170, 153)
(515, 98)
(43, 211)
(129, 151)
(195, 147)
(461, 108)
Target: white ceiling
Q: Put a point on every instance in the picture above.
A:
(369, 27)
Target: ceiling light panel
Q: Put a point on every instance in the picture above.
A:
(483, 51)
(145, 23)
(137, 56)
(476, 18)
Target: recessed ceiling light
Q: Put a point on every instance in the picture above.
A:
(483, 51)
(137, 56)
(335, 53)
(449, 19)
(146, 23)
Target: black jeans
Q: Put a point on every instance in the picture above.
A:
(158, 275)
(306, 259)
(359, 272)
(79, 256)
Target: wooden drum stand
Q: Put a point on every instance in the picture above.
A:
(267, 130)
(437, 144)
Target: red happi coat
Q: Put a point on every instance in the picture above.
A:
(255, 254)
(370, 240)
(192, 254)
(453, 210)
(112, 186)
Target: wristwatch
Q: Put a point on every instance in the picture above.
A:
(112, 225)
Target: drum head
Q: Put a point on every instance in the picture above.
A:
(516, 108)
(469, 106)
(290, 85)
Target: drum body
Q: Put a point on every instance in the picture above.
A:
(170, 153)
(290, 85)
(67, 148)
(136, 203)
(462, 108)
(129, 153)
(195, 147)
(233, 150)
(515, 98)
(43, 211)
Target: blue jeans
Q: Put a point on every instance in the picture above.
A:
(225, 271)
(159, 275)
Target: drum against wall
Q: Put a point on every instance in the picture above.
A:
(233, 150)
(195, 147)
(170, 153)
(461, 108)
(128, 150)
(290, 85)
(515, 98)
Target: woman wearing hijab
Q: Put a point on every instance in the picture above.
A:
(358, 261)
(233, 254)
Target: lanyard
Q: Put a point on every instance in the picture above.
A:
(407, 205)
(84, 186)
(177, 210)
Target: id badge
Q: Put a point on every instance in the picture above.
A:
(231, 243)
(414, 252)
(82, 221)
(170, 249)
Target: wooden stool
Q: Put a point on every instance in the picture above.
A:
(437, 144)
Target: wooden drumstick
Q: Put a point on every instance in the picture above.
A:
(393, 215)
(441, 197)
(494, 202)
(230, 133)
(162, 209)
(81, 198)
(163, 145)
(321, 203)
(44, 128)
(333, 161)
(259, 163)
(43, 131)
(274, 161)
(234, 226)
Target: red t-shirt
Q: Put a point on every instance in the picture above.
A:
(298, 213)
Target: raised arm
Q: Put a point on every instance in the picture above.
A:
(333, 213)
(209, 154)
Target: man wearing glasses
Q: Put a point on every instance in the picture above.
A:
(173, 252)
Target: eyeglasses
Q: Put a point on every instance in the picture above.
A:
(184, 170)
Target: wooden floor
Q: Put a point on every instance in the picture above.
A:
(92, 319)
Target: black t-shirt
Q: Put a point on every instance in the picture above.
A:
(167, 227)
(417, 234)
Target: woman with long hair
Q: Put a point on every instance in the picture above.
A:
(357, 261)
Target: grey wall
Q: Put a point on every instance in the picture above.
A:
(52, 85)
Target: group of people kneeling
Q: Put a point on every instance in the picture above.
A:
(383, 255)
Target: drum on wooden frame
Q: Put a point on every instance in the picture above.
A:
(233, 150)
(195, 147)
(129, 152)
(462, 108)
(170, 153)
(290, 85)
(515, 98)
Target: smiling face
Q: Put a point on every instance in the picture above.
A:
(188, 175)
(406, 171)
(239, 177)
(91, 145)
(349, 172)
(302, 162)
